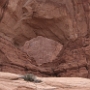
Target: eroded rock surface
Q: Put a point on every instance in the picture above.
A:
(65, 21)
(7, 83)
(12, 59)
(42, 50)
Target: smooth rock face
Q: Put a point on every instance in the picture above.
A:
(42, 50)
(65, 21)
(7, 83)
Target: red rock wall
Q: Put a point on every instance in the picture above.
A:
(65, 21)
(42, 50)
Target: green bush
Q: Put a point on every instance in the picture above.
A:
(31, 78)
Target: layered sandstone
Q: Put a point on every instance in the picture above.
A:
(42, 50)
(65, 21)
(7, 83)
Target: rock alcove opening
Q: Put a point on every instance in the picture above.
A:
(42, 50)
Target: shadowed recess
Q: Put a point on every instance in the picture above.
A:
(3, 7)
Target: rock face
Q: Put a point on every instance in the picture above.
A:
(7, 83)
(12, 59)
(65, 21)
(42, 50)
(60, 20)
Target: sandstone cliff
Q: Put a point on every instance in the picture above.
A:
(65, 21)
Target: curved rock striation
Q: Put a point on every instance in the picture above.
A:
(42, 50)
(7, 82)
(65, 21)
